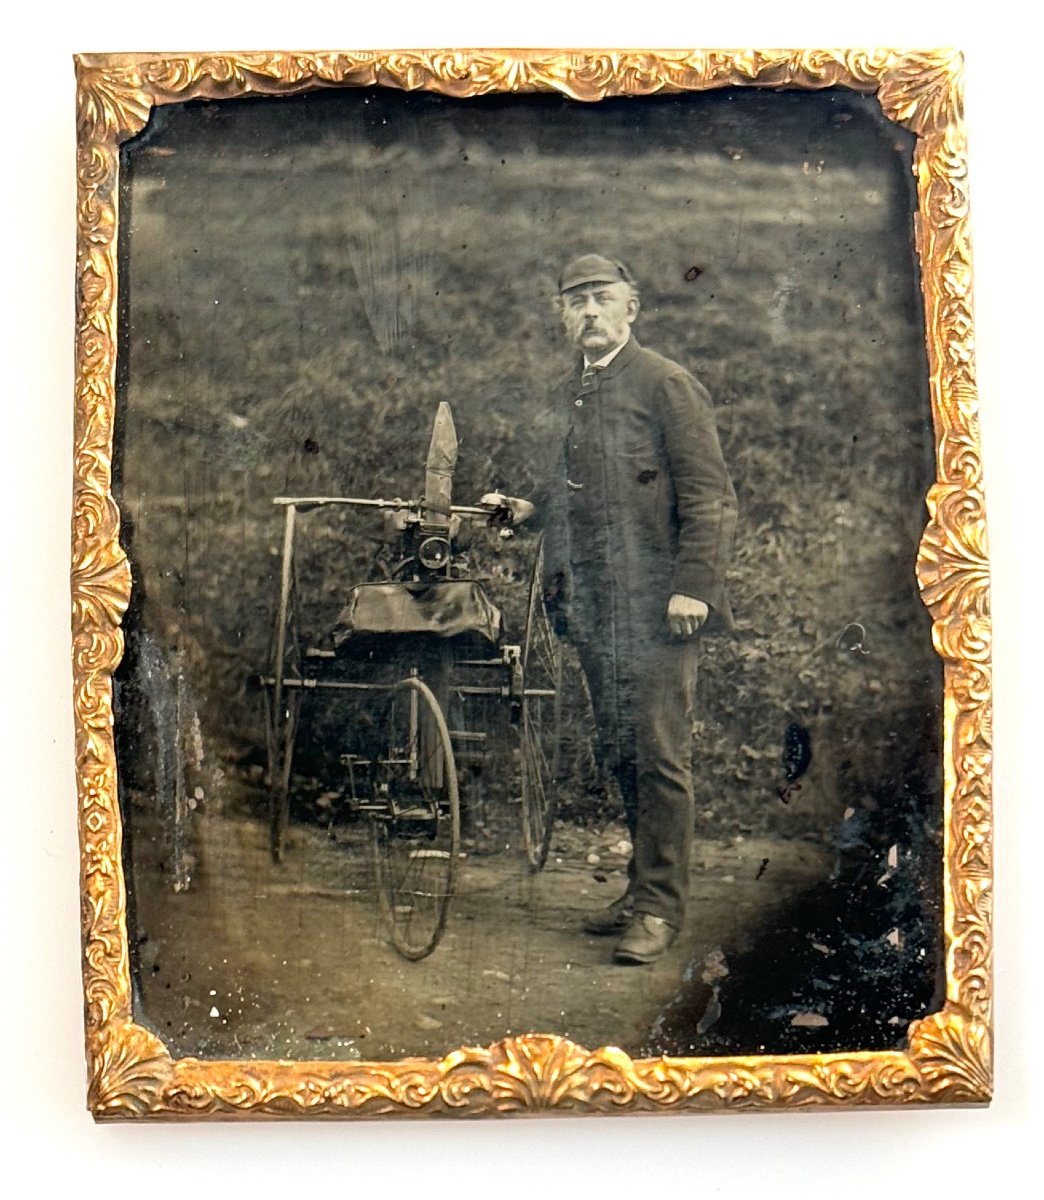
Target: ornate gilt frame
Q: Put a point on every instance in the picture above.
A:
(948, 1055)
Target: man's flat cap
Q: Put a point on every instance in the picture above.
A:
(593, 268)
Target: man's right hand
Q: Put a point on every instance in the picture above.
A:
(514, 509)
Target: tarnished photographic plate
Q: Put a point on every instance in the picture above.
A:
(435, 412)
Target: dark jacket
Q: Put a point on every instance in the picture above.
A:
(641, 499)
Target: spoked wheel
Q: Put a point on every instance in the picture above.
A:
(415, 822)
(282, 715)
(540, 720)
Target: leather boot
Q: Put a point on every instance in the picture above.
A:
(613, 919)
(646, 939)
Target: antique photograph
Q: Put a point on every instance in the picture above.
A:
(541, 575)
(521, 501)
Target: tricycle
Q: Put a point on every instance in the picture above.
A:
(418, 650)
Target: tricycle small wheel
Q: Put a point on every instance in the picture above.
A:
(540, 720)
(415, 819)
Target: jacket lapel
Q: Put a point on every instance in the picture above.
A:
(628, 354)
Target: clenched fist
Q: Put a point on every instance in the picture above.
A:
(685, 615)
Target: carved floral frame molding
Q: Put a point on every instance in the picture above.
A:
(948, 1054)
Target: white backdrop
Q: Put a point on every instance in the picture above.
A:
(857, 1154)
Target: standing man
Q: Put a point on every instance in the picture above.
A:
(641, 516)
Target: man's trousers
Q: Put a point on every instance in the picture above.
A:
(642, 689)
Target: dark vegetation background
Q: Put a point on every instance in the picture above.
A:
(304, 279)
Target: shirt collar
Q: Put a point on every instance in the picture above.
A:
(606, 359)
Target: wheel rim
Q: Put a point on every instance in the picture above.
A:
(540, 721)
(281, 730)
(416, 833)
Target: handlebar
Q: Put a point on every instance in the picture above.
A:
(303, 502)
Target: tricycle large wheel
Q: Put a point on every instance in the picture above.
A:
(540, 720)
(282, 715)
(415, 823)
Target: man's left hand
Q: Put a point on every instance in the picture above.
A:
(685, 615)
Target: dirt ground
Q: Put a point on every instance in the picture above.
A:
(256, 959)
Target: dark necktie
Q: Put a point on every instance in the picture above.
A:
(588, 384)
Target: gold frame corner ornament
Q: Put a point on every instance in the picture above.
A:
(948, 1054)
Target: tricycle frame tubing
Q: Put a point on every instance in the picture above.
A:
(285, 579)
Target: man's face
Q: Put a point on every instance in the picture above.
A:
(598, 316)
